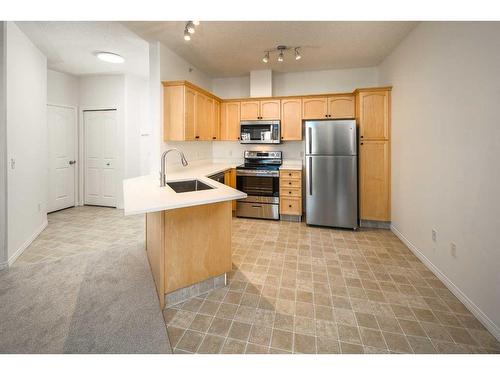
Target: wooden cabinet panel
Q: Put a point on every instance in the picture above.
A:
(290, 192)
(291, 206)
(216, 120)
(270, 109)
(230, 121)
(291, 119)
(287, 174)
(189, 115)
(174, 109)
(340, 107)
(374, 180)
(202, 118)
(373, 115)
(314, 108)
(230, 180)
(250, 110)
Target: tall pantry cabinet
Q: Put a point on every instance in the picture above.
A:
(374, 125)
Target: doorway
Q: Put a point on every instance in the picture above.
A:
(61, 127)
(100, 154)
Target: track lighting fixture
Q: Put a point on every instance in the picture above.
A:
(190, 27)
(187, 35)
(266, 58)
(280, 50)
(297, 54)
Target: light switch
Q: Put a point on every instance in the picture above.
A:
(12, 163)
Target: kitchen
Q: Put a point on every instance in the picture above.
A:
(271, 194)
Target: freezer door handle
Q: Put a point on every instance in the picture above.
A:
(309, 174)
(309, 129)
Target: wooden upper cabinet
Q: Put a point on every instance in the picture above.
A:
(203, 127)
(291, 119)
(260, 110)
(230, 121)
(314, 108)
(374, 180)
(216, 120)
(270, 110)
(250, 110)
(340, 107)
(373, 114)
(189, 115)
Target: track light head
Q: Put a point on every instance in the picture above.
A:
(187, 35)
(280, 56)
(298, 56)
(196, 23)
(190, 27)
(265, 59)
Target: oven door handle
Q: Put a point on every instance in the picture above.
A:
(256, 206)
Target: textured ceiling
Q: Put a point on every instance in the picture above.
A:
(70, 46)
(234, 48)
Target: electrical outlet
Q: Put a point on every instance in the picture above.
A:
(230, 152)
(12, 163)
(453, 249)
(434, 235)
(39, 207)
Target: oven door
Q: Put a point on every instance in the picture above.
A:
(260, 189)
(260, 132)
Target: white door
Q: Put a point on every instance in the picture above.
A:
(100, 157)
(61, 126)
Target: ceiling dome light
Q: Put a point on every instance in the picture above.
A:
(265, 59)
(187, 36)
(196, 23)
(297, 54)
(190, 27)
(110, 57)
(280, 56)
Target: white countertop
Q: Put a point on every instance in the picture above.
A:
(144, 194)
(290, 164)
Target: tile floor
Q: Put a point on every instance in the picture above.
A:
(299, 289)
(294, 289)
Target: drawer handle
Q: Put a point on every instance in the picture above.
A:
(290, 205)
(289, 192)
(289, 174)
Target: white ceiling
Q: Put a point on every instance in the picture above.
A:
(223, 49)
(70, 46)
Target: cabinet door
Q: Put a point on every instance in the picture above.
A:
(314, 108)
(230, 180)
(230, 121)
(374, 188)
(374, 115)
(189, 114)
(216, 120)
(173, 113)
(340, 107)
(270, 109)
(202, 128)
(291, 119)
(250, 110)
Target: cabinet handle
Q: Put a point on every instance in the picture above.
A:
(290, 205)
(361, 136)
(289, 183)
(361, 143)
(289, 174)
(326, 115)
(197, 137)
(289, 192)
(214, 137)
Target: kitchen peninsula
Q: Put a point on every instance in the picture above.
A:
(188, 228)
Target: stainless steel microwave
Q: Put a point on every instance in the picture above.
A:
(260, 131)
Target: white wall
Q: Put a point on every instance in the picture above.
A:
(445, 153)
(324, 81)
(26, 76)
(62, 89)
(231, 87)
(105, 92)
(3, 152)
(292, 150)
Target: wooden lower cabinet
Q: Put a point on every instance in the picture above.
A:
(374, 180)
(291, 192)
(230, 180)
(188, 245)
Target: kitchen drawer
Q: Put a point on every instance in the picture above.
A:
(291, 206)
(290, 192)
(288, 183)
(291, 174)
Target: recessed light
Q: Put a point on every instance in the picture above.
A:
(110, 57)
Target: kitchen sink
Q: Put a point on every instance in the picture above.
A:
(189, 185)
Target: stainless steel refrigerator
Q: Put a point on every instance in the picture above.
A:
(331, 173)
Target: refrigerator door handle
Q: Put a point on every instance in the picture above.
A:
(309, 129)
(310, 177)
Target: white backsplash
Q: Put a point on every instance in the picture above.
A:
(292, 150)
(193, 150)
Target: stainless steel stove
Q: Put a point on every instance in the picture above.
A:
(259, 178)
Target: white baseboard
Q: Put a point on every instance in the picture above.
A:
(28, 242)
(471, 306)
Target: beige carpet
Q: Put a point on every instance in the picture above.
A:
(96, 302)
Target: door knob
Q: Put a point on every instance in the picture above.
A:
(71, 162)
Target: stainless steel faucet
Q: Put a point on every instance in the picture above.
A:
(163, 172)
